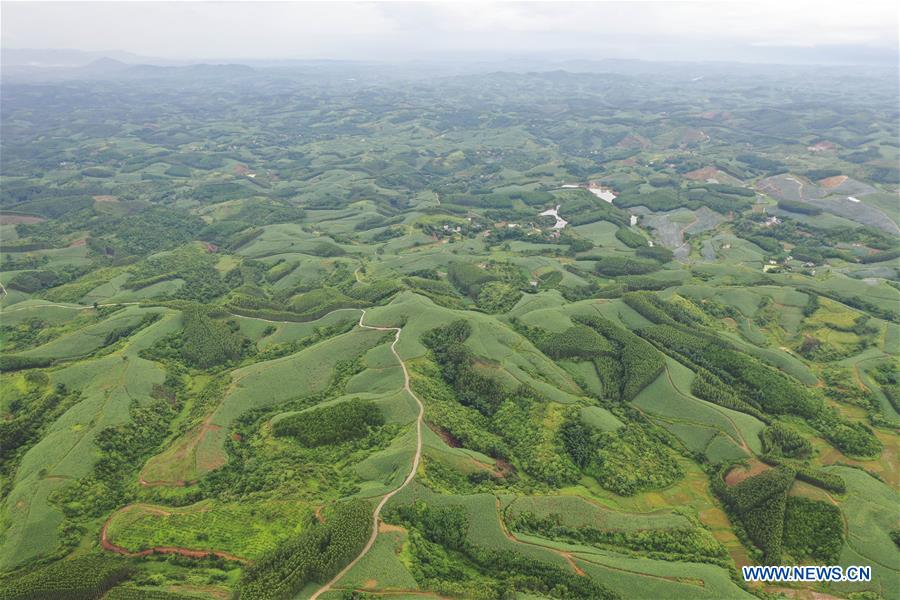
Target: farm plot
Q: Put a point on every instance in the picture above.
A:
(246, 529)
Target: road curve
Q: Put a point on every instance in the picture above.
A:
(412, 472)
(384, 499)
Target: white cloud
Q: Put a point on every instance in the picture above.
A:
(360, 30)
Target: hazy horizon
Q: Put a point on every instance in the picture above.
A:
(766, 32)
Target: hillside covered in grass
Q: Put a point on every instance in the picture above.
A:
(344, 332)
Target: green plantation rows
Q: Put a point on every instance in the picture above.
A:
(84, 578)
(313, 556)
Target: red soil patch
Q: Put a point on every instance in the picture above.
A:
(739, 473)
(106, 198)
(211, 248)
(703, 174)
(575, 567)
(833, 182)
(388, 528)
(78, 243)
(504, 468)
(241, 169)
(445, 435)
(16, 219)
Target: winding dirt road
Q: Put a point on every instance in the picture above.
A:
(412, 472)
(384, 499)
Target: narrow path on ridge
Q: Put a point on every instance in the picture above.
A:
(412, 473)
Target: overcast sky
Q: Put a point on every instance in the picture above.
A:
(714, 30)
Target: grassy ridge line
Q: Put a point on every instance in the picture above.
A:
(412, 472)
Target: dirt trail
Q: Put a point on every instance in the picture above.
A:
(33, 306)
(412, 472)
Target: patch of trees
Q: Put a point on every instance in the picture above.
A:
(469, 278)
(150, 230)
(208, 342)
(850, 437)
(614, 266)
(758, 384)
(456, 362)
(33, 281)
(491, 419)
(660, 254)
(626, 461)
(811, 475)
(759, 502)
(762, 164)
(634, 366)
(796, 206)
(630, 237)
(445, 561)
(691, 544)
(770, 245)
(497, 297)
(83, 578)
(341, 422)
(314, 555)
(373, 292)
(707, 386)
(782, 440)
(813, 529)
(817, 174)
(888, 175)
(326, 249)
(578, 341)
(14, 362)
(493, 290)
(880, 256)
(440, 292)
